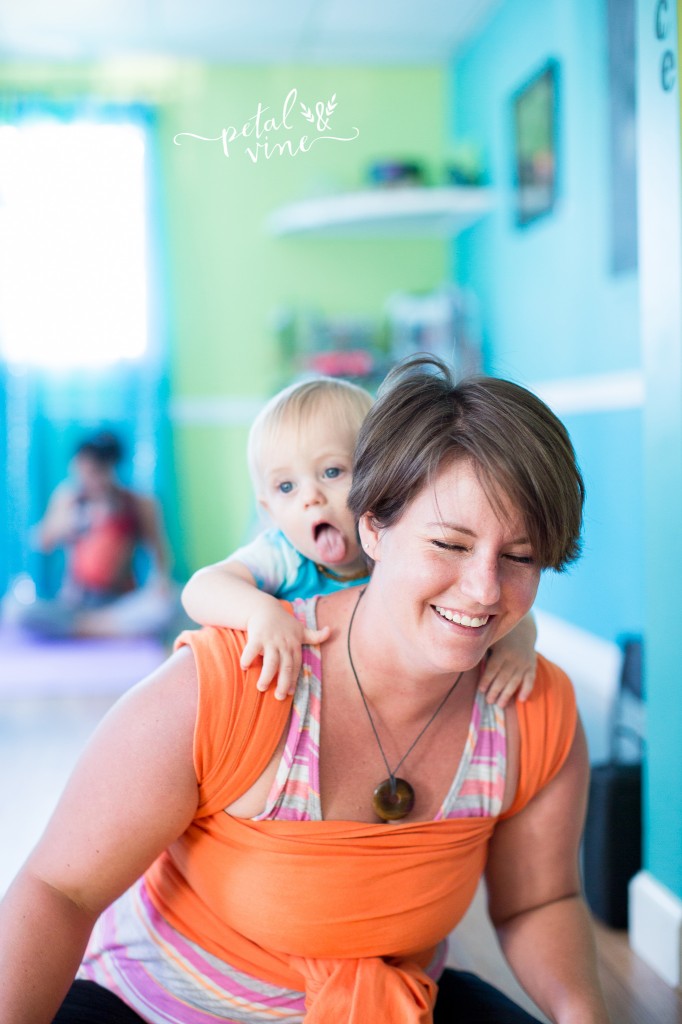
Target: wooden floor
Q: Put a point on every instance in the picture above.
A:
(634, 993)
(40, 741)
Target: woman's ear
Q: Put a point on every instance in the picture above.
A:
(370, 536)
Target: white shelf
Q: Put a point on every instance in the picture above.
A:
(384, 213)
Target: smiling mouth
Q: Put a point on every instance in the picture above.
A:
(470, 621)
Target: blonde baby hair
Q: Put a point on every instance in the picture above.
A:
(299, 405)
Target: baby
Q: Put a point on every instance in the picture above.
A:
(300, 454)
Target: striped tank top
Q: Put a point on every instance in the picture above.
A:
(167, 979)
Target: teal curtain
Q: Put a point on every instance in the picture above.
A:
(44, 414)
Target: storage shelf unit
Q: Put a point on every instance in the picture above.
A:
(384, 213)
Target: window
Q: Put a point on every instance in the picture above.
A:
(73, 243)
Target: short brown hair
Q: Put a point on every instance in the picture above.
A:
(338, 399)
(424, 419)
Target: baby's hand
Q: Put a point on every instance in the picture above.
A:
(278, 637)
(510, 670)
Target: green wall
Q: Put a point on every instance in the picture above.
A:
(222, 279)
(228, 279)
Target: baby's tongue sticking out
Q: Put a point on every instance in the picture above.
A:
(330, 544)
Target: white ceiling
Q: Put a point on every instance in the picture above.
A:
(282, 31)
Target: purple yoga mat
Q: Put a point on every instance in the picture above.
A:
(31, 667)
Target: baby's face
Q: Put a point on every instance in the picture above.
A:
(305, 478)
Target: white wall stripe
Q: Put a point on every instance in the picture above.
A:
(597, 393)
(215, 410)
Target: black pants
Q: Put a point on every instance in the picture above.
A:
(462, 999)
(88, 1003)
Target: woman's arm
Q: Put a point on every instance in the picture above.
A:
(58, 525)
(535, 902)
(132, 793)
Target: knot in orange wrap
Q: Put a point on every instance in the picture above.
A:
(370, 988)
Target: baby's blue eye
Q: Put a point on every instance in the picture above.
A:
(286, 487)
(332, 472)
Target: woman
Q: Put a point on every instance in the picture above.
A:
(325, 892)
(101, 526)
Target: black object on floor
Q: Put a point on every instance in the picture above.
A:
(612, 845)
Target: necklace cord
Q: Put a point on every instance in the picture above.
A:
(391, 774)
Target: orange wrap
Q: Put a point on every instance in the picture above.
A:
(349, 990)
(348, 912)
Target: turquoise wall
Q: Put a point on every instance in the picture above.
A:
(661, 273)
(604, 592)
(551, 308)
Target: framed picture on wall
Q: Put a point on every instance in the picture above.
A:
(535, 145)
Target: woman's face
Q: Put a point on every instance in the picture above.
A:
(452, 575)
(94, 479)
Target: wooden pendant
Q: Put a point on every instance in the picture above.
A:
(393, 799)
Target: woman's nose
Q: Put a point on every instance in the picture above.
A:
(480, 581)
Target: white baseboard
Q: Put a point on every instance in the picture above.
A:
(594, 666)
(656, 927)
(212, 410)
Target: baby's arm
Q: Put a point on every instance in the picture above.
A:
(511, 664)
(226, 594)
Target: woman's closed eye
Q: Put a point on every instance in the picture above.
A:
(521, 559)
(516, 559)
(448, 547)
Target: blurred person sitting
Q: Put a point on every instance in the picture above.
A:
(101, 525)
